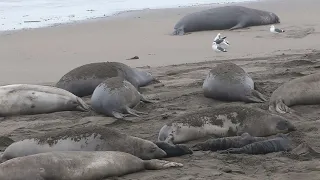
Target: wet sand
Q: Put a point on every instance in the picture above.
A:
(181, 64)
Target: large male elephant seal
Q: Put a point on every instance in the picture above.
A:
(77, 165)
(116, 96)
(90, 138)
(82, 80)
(229, 82)
(227, 17)
(24, 99)
(301, 91)
(221, 121)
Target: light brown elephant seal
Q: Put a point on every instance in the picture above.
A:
(222, 121)
(300, 91)
(27, 99)
(82, 80)
(77, 165)
(116, 97)
(91, 138)
(229, 82)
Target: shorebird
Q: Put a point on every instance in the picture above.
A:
(218, 48)
(218, 39)
(276, 30)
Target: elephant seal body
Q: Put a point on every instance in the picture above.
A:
(77, 165)
(222, 121)
(84, 139)
(227, 17)
(229, 82)
(116, 96)
(215, 144)
(277, 144)
(82, 80)
(26, 99)
(301, 91)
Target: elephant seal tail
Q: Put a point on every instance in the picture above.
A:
(155, 164)
(82, 106)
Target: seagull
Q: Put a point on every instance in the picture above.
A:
(220, 40)
(276, 30)
(218, 48)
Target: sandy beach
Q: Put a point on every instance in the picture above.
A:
(44, 55)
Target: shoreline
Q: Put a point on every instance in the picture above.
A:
(46, 54)
(120, 12)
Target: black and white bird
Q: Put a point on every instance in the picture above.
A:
(221, 40)
(217, 47)
(276, 30)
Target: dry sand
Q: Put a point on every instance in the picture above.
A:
(44, 55)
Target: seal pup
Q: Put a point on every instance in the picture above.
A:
(174, 150)
(82, 80)
(27, 99)
(273, 29)
(277, 144)
(300, 91)
(229, 82)
(78, 165)
(226, 17)
(222, 121)
(215, 144)
(116, 96)
(91, 138)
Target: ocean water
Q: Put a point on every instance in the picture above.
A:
(22, 14)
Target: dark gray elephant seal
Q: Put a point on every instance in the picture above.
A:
(227, 17)
(115, 97)
(277, 144)
(174, 150)
(90, 138)
(300, 91)
(222, 121)
(215, 144)
(229, 82)
(82, 80)
(77, 165)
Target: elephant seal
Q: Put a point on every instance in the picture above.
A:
(174, 150)
(27, 99)
(229, 82)
(215, 144)
(220, 18)
(116, 96)
(222, 121)
(277, 144)
(300, 91)
(82, 80)
(91, 138)
(77, 165)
